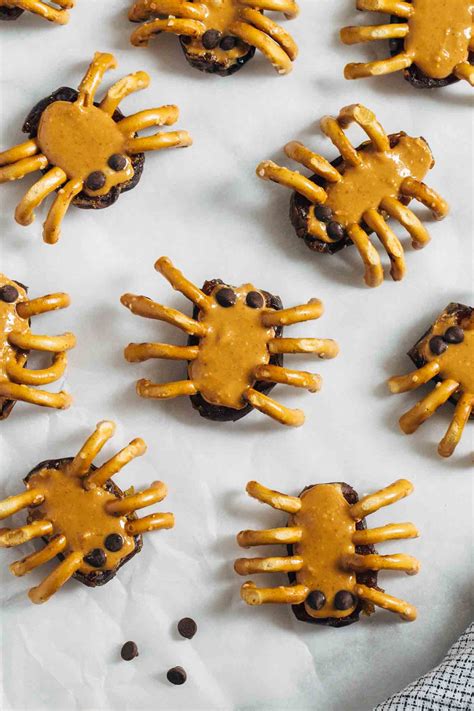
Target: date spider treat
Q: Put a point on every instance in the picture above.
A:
(89, 152)
(82, 516)
(347, 199)
(430, 40)
(235, 349)
(12, 9)
(331, 563)
(219, 36)
(16, 341)
(445, 354)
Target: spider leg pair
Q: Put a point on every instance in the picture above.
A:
(403, 60)
(38, 7)
(21, 379)
(293, 534)
(372, 217)
(250, 26)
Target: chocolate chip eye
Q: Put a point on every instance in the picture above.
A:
(437, 345)
(323, 213)
(8, 293)
(343, 600)
(227, 43)
(316, 600)
(113, 542)
(335, 230)
(454, 334)
(96, 558)
(117, 162)
(95, 181)
(226, 297)
(254, 300)
(211, 39)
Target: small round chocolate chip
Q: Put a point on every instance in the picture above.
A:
(113, 542)
(117, 162)
(95, 180)
(316, 600)
(437, 345)
(226, 297)
(323, 213)
(344, 600)
(129, 651)
(454, 334)
(176, 675)
(187, 627)
(335, 230)
(227, 43)
(96, 558)
(211, 39)
(255, 300)
(8, 293)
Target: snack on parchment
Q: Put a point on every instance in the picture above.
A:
(16, 341)
(89, 152)
(331, 563)
(12, 9)
(82, 516)
(219, 36)
(235, 349)
(445, 354)
(352, 196)
(430, 40)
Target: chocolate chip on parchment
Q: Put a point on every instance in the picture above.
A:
(454, 334)
(8, 293)
(129, 651)
(437, 345)
(176, 676)
(187, 627)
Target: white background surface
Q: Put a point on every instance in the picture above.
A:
(204, 207)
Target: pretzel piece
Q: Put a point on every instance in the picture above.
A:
(294, 594)
(155, 493)
(275, 499)
(384, 497)
(390, 532)
(282, 564)
(55, 580)
(322, 347)
(278, 412)
(285, 376)
(56, 545)
(90, 449)
(425, 408)
(296, 314)
(388, 602)
(268, 170)
(13, 504)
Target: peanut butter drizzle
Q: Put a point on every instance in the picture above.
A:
(328, 527)
(79, 514)
(235, 343)
(9, 321)
(80, 140)
(439, 33)
(457, 362)
(379, 175)
(220, 15)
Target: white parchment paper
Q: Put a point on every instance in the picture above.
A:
(205, 208)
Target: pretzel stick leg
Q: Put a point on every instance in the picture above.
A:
(385, 497)
(43, 304)
(159, 141)
(30, 562)
(155, 522)
(144, 9)
(296, 314)
(155, 493)
(143, 306)
(272, 29)
(48, 344)
(162, 116)
(387, 602)
(319, 165)
(179, 282)
(418, 233)
(382, 66)
(396, 561)
(136, 448)
(101, 63)
(413, 380)
(268, 170)
(294, 594)
(331, 128)
(17, 536)
(288, 7)
(322, 347)
(373, 275)
(390, 532)
(285, 376)
(26, 376)
(90, 449)
(411, 420)
(24, 393)
(55, 580)
(270, 537)
(454, 432)
(57, 211)
(427, 196)
(19, 152)
(143, 34)
(61, 17)
(389, 7)
(354, 35)
(165, 391)
(249, 34)
(367, 121)
(465, 70)
(281, 502)
(268, 406)
(123, 88)
(18, 170)
(139, 352)
(284, 564)
(390, 242)
(13, 504)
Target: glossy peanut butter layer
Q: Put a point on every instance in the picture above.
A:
(81, 140)
(328, 528)
(234, 344)
(80, 515)
(220, 16)
(438, 36)
(10, 322)
(457, 361)
(379, 176)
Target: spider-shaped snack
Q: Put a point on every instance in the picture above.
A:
(446, 354)
(82, 515)
(352, 196)
(235, 349)
(89, 152)
(12, 9)
(331, 563)
(16, 341)
(219, 36)
(430, 40)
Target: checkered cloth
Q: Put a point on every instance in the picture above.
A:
(449, 686)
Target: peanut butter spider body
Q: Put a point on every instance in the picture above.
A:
(219, 36)
(54, 10)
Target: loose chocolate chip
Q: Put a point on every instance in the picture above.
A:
(454, 334)
(114, 542)
(187, 627)
(176, 675)
(335, 230)
(129, 651)
(95, 180)
(437, 345)
(254, 300)
(323, 213)
(344, 600)
(96, 558)
(211, 39)
(227, 43)
(117, 162)
(316, 600)
(8, 293)
(226, 297)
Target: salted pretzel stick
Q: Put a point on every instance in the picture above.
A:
(101, 63)
(81, 463)
(56, 579)
(52, 225)
(143, 306)
(368, 122)
(427, 196)
(389, 7)
(17, 536)
(288, 7)
(268, 170)
(144, 9)
(138, 352)
(334, 132)
(24, 393)
(454, 432)
(13, 504)
(319, 165)
(165, 391)
(162, 116)
(30, 562)
(286, 376)
(277, 33)
(19, 152)
(464, 70)
(411, 420)
(354, 35)
(280, 413)
(18, 170)
(277, 56)
(143, 34)
(382, 66)
(26, 376)
(322, 347)
(418, 233)
(413, 380)
(275, 499)
(389, 240)
(388, 602)
(281, 564)
(396, 561)
(123, 88)
(373, 267)
(390, 532)
(153, 522)
(136, 448)
(50, 344)
(159, 141)
(296, 314)
(373, 502)
(43, 304)
(155, 493)
(269, 537)
(179, 282)
(294, 594)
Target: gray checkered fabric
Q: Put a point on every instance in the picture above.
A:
(449, 686)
